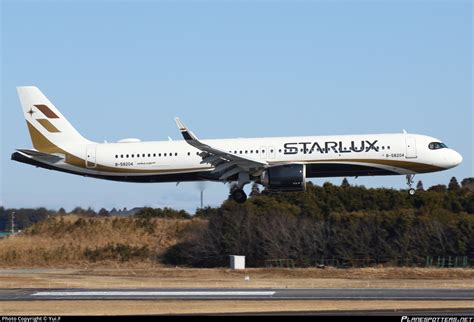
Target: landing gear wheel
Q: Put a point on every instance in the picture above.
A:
(239, 195)
(410, 183)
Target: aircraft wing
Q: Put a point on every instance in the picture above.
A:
(228, 163)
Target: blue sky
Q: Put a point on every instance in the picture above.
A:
(231, 69)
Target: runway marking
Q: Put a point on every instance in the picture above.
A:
(154, 293)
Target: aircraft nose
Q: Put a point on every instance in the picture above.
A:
(457, 158)
(454, 158)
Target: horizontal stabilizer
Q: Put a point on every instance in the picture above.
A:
(41, 156)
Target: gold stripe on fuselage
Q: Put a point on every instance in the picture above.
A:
(406, 165)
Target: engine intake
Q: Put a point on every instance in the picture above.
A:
(288, 177)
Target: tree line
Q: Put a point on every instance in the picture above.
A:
(25, 217)
(344, 223)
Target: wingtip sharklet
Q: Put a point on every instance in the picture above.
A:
(187, 135)
(180, 124)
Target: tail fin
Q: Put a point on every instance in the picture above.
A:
(50, 131)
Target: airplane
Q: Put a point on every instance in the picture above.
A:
(277, 163)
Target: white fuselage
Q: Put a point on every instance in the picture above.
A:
(390, 153)
(281, 163)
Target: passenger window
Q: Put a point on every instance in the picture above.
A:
(176, 154)
(164, 154)
(127, 155)
(189, 153)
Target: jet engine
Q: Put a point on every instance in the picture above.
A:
(288, 177)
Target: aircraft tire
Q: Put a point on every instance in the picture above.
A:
(239, 195)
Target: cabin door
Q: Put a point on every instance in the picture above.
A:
(90, 157)
(411, 147)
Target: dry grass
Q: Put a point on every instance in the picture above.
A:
(146, 277)
(62, 241)
(386, 273)
(111, 307)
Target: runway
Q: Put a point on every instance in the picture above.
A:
(39, 294)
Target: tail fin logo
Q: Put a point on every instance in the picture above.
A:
(48, 126)
(44, 122)
(46, 111)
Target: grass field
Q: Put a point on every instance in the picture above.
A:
(111, 307)
(226, 278)
(78, 241)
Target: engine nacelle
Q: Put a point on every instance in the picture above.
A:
(288, 177)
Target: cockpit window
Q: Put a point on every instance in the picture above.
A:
(436, 145)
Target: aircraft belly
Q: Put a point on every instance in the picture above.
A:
(320, 170)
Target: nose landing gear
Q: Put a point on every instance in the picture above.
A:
(410, 182)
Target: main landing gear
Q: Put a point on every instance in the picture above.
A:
(237, 192)
(239, 195)
(410, 182)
